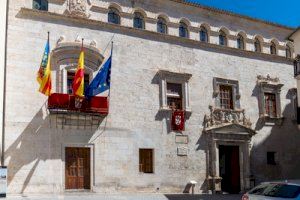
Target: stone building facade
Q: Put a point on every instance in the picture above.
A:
(230, 75)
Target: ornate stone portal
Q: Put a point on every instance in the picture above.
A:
(227, 128)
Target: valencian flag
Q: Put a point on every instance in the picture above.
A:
(44, 73)
(78, 82)
(101, 82)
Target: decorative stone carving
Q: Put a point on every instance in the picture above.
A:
(61, 39)
(77, 8)
(219, 117)
(267, 79)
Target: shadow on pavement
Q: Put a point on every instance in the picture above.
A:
(202, 197)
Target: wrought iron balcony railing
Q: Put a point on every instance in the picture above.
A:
(68, 103)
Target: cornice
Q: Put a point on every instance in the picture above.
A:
(42, 15)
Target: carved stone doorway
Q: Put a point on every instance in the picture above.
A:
(231, 142)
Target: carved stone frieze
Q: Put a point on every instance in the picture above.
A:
(219, 117)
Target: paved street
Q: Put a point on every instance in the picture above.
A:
(128, 197)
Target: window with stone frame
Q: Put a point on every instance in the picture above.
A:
(270, 104)
(113, 16)
(162, 26)
(174, 96)
(40, 5)
(138, 21)
(146, 160)
(70, 78)
(257, 45)
(269, 90)
(174, 90)
(226, 93)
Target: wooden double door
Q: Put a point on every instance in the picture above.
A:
(229, 164)
(77, 169)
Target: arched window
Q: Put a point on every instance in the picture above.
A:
(203, 34)
(40, 5)
(273, 49)
(222, 38)
(257, 45)
(113, 16)
(183, 30)
(240, 42)
(138, 21)
(288, 52)
(162, 25)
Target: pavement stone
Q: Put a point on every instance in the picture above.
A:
(127, 197)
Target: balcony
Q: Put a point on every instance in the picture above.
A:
(65, 103)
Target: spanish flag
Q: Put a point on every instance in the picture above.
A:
(78, 82)
(44, 73)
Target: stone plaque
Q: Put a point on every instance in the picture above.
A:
(182, 151)
(181, 139)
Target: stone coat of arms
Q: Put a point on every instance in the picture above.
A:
(77, 8)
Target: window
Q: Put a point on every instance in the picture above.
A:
(146, 160)
(70, 78)
(271, 158)
(226, 97)
(183, 30)
(162, 26)
(273, 49)
(270, 104)
(222, 38)
(138, 21)
(40, 5)
(288, 52)
(269, 90)
(203, 34)
(240, 42)
(174, 90)
(226, 93)
(113, 16)
(174, 96)
(257, 45)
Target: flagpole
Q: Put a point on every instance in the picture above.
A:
(111, 52)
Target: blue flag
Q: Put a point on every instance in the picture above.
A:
(101, 82)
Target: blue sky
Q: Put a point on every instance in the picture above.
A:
(285, 12)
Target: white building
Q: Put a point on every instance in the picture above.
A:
(295, 38)
(230, 75)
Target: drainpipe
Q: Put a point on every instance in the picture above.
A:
(4, 88)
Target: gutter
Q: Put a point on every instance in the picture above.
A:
(4, 90)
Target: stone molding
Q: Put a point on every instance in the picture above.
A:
(91, 22)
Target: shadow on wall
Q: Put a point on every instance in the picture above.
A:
(38, 142)
(284, 140)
